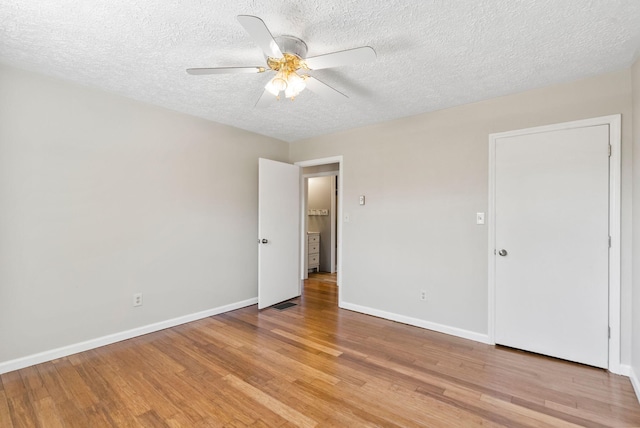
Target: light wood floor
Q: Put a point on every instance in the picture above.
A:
(311, 365)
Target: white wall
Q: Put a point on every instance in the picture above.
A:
(425, 177)
(102, 197)
(635, 360)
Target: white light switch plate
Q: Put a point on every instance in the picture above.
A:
(479, 218)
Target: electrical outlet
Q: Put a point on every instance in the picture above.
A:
(423, 295)
(137, 299)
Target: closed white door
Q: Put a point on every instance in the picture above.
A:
(552, 243)
(278, 232)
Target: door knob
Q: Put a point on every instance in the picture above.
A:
(264, 241)
(502, 252)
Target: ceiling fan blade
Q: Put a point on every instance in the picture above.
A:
(266, 99)
(337, 59)
(260, 34)
(224, 70)
(324, 90)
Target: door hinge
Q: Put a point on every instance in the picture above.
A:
(609, 150)
(609, 241)
(494, 252)
(609, 332)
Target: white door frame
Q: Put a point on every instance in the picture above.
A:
(303, 211)
(614, 122)
(334, 225)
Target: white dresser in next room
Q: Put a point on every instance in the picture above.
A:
(313, 251)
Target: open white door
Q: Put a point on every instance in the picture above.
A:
(278, 232)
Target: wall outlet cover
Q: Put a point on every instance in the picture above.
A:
(137, 299)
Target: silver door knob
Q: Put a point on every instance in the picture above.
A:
(264, 241)
(502, 252)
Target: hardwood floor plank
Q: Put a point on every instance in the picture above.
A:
(310, 343)
(322, 364)
(151, 419)
(202, 399)
(354, 400)
(289, 414)
(314, 405)
(543, 418)
(74, 384)
(21, 408)
(5, 416)
(66, 406)
(47, 413)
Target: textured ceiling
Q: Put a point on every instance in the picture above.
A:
(431, 54)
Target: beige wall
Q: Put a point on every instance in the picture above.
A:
(635, 361)
(102, 197)
(425, 177)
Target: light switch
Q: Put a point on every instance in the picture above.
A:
(479, 218)
(361, 199)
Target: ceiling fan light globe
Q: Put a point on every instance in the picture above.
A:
(290, 92)
(279, 84)
(297, 83)
(270, 87)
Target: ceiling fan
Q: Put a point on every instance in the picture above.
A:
(286, 56)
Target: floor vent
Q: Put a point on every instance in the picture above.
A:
(285, 305)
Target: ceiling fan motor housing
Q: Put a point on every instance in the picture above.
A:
(292, 45)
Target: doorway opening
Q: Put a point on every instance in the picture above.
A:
(320, 219)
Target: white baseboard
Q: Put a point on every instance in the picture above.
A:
(441, 328)
(635, 381)
(622, 369)
(41, 357)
